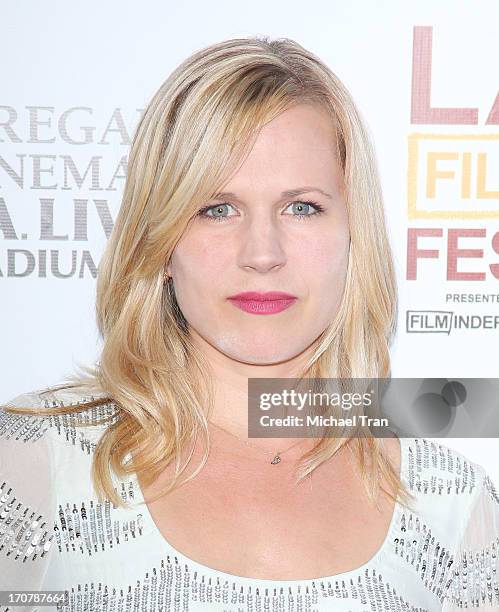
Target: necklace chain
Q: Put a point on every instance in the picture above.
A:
(276, 456)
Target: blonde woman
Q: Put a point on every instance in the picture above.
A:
(136, 486)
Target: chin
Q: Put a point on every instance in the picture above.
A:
(271, 351)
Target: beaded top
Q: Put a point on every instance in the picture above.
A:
(55, 535)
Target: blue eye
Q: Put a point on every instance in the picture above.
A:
(217, 208)
(301, 205)
(307, 205)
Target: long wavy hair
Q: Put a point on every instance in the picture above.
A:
(195, 130)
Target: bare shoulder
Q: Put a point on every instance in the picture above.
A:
(393, 448)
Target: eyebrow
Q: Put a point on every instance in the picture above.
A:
(290, 193)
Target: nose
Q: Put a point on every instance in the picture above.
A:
(261, 247)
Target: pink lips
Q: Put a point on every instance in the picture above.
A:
(263, 303)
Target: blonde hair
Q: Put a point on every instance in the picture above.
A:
(198, 126)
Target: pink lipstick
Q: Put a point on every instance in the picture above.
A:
(263, 303)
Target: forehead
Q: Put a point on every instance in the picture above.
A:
(297, 145)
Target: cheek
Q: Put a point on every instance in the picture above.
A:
(199, 262)
(325, 259)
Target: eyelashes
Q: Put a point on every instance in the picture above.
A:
(314, 205)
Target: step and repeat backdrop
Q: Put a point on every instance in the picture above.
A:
(75, 79)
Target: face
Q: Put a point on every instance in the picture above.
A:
(259, 238)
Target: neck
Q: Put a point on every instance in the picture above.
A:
(230, 403)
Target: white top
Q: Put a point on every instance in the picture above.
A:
(55, 535)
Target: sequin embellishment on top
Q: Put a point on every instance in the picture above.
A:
(55, 534)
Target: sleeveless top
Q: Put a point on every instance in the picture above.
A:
(55, 535)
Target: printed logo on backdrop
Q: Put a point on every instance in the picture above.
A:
(452, 201)
(62, 172)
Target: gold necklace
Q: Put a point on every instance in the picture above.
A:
(277, 456)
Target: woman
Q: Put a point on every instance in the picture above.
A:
(137, 486)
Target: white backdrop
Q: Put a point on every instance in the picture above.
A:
(76, 76)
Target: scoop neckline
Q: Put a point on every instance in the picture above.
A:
(151, 528)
